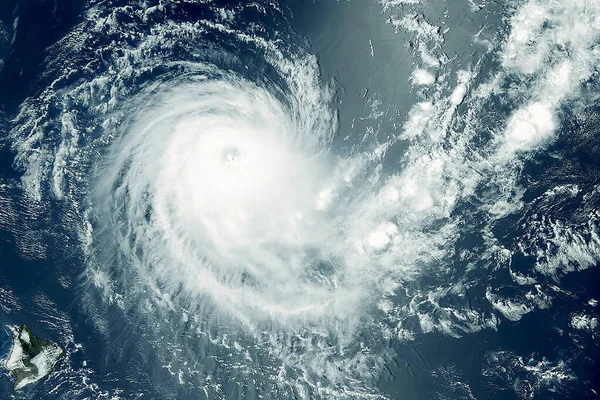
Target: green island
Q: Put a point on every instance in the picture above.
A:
(31, 358)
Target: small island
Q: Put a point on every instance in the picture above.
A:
(30, 358)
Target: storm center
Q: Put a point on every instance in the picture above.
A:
(230, 155)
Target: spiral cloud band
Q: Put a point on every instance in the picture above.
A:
(246, 240)
(223, 200)
(223, 194)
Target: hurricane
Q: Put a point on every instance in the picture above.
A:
(227, 228)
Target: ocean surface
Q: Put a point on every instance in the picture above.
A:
(375, 199)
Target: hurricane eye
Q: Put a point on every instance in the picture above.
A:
(230, 155)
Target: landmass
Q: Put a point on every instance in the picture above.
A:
(31, 358)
